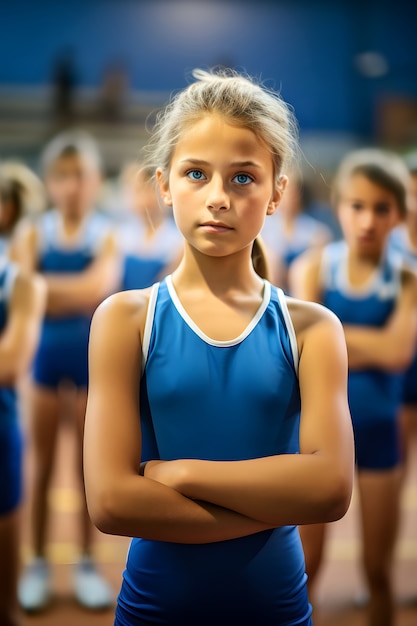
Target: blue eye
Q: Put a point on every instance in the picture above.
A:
(196, 175)
(243, 179)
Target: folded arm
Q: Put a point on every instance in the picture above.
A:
(392, 346)
(310, 487)
(120, 500)
(83, 291)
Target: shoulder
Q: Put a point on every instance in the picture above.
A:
(307, 315)
(304, 273)
(319, 332)
(27, 228)
(123, 312)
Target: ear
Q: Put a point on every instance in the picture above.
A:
(163, 187)
(279, 189)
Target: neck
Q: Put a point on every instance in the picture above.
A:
(411, 225)
(220, 275)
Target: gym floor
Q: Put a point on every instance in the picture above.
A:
(340, 580)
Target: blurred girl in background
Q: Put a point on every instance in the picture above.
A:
(73, 248)
(375, 297)
(150, 240)
(22, 299)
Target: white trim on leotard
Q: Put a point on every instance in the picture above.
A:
(213, 342)
(290, 328)
(150, 314)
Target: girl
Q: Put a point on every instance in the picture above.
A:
(21, 309)
(72, 247)
(150, 240)
(364, 284)
(202, 378)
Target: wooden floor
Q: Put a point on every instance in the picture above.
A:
(340, 579)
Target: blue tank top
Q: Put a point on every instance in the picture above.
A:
(56, 256)
(373, 393)
(218, 400)
(8, 396)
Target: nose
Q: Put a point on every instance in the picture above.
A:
(217, 196)
(368, 219)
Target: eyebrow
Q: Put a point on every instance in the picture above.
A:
(234, 164)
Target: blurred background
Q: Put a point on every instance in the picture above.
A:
(348, 68)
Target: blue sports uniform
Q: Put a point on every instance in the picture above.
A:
(374, 395)
(307, 231)
(10, 434)
(400, 242)
(145, 260)
(217, 400)
(62, 352)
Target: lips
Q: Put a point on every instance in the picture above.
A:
(216, 226)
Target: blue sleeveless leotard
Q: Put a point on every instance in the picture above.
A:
(374, 395)
(10, 433)
(218, 400)
(143, 260)
(400, 242)
(62, 353)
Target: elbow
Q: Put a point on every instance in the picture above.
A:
(102, 509)
(335, 498)
(12, 375)
(399, 363)
(338, 497)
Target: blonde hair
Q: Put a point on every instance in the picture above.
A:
(384, 168)
(69, 143)
(236, 97)
(22, 188)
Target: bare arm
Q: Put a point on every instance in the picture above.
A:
(310, 487)
(83, 291)
(24, 245)
(121, 501)
(304, 276)
(19, 339)
(391, 347)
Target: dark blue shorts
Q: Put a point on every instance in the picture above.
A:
(62, 353)
(377, 444)
(11, 462)
(410, 383)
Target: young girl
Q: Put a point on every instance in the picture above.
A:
(150, 241)
(202, 377)
(73, 248)
(364, 284)
(22, 301)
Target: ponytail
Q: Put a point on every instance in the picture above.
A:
(259, 259)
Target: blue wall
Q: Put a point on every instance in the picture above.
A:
(306, 48)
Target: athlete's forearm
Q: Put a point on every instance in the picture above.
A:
(140, 507)
(279, 490)
(377, 348)
(79, 292)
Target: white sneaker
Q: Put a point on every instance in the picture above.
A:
(91, 589)
(34, 590)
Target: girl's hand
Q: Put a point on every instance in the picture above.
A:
(167, 473)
